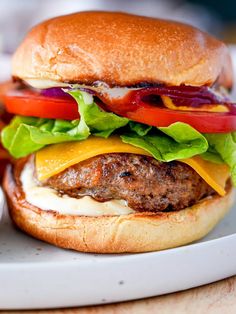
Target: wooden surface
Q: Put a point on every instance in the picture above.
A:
(215, 298)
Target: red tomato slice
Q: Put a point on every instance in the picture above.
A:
(156, 115)
(202, 121)
(28, 103)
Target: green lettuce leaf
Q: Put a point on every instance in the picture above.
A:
(25, 135)
(99, 122)
(225, 145)
(139, 128)
(213, 156)
(177, 141)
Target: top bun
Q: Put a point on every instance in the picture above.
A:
(121, 50)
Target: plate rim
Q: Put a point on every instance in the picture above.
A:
(110, 258)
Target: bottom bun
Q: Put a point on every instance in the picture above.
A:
(139, 232)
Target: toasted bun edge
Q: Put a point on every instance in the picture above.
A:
(139, 232)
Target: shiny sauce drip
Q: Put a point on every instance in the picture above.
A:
(188, 97)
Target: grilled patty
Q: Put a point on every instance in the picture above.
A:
(145, 183)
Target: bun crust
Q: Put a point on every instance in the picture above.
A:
(141, 232)
(121, 50)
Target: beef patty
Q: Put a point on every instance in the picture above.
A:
(145, 183)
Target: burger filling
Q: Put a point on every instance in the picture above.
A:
(49, 199)
(115, 184)
(143, 182)
(140, 149)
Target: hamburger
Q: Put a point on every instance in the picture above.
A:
(123, 133)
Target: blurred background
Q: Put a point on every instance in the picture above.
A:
(17, 16)
(215, 16)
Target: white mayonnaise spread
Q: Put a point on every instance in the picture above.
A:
(111, 93)
(47, 198)
(43, 84)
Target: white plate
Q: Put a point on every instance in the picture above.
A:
(36, 275)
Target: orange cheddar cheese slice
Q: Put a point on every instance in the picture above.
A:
(55, 158)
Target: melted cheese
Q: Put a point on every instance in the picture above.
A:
(54, 159)
(205, 108)
(214, 174)
(47, 198)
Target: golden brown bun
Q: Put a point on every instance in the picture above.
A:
(121, 49)
(141, 232)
